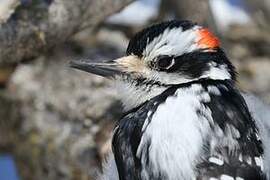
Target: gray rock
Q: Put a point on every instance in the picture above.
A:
(60, 111)
(254, 76)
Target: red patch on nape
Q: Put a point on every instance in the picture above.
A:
(207, 39)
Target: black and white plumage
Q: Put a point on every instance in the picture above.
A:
(186, 119)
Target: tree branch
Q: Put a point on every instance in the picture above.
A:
(40, 25)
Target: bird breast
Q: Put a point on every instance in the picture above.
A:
(176, 132)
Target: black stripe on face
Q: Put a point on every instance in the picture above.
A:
(193, 64)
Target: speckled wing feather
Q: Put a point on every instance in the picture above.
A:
(231, 115)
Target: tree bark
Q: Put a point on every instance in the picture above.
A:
(260, 10)
(38, 26)
(197, 11)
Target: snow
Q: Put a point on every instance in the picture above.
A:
(225, 12)
(137, 13)
(228, 12)
(7, 8)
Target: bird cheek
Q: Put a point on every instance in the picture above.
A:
(131, 64)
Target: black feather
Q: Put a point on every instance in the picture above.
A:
(128, 134)
(129, 131)
(138, 43)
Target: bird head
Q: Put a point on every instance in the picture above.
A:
(164, 55)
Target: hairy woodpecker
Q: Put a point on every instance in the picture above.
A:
(185, 117)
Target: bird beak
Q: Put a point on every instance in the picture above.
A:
(124, 65)
(105, 69)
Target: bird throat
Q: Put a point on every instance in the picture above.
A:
(132, 95)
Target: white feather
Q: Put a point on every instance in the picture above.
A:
(132, 95)
(173, 41)
(261, 114)
(176, 135)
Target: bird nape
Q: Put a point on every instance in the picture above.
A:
(186, 118)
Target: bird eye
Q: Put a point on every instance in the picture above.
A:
(164, 62)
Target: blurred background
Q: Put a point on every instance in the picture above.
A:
(56, 122)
